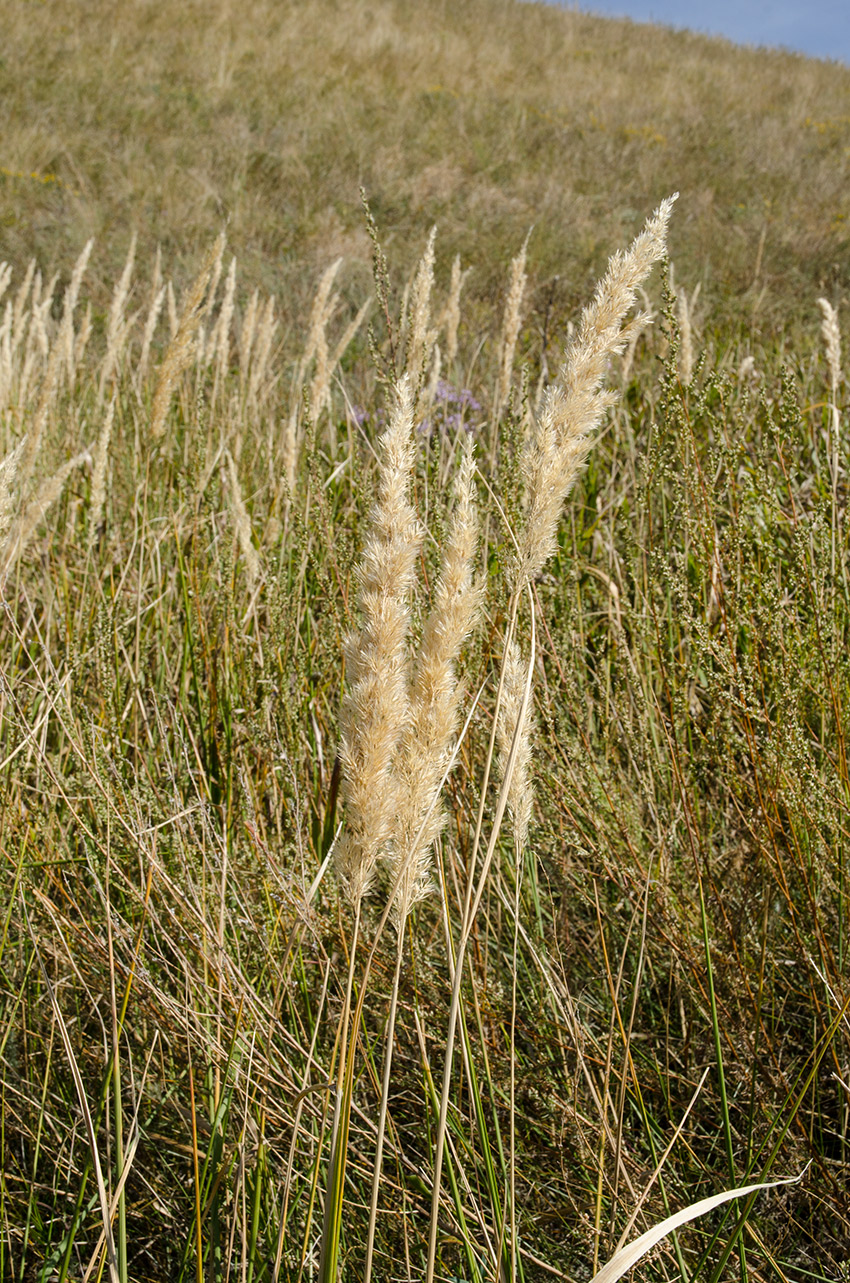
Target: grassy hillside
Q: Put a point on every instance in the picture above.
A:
(488, 118)
(253, 636)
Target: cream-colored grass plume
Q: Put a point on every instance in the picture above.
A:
(83, 336)
(511, 324)
(324, 305)
(521, 789)
(433, 384)
(420, 335)
(181, 349)
(98, 481)
(171, 305)
(118, 327)
(8, 471)
(435, 699)
(220, 348)
(41, 309)
(555, 452)
(686, 340)
(19, 305)
(266, 330)
(375, 708)
(42, 413)
(559, 442)
(451, 315)
(69, 304)
(23, 531)
(157, 299)
(832, 341)
(246, 335)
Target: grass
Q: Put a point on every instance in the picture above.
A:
(651, 996)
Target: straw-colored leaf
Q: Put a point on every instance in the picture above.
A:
(629, 1255)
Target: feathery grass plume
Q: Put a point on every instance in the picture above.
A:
(8, 471)
(435, 698)
(69, 304)
(289, 451)
(6, 367)
(324, 305)
(451, 315)
(83, 336)
(320, 313)
(215, 277)
(433, 378)
(151, 320)
(157, 298)
(42, 412)
(521, 790)
(221, 352)
(242, 523)
(5, 277)
(19, 307)
(559, 442)
(832, 340)
(40, 311)
(266, 328)
(173, 318)
(246, 335)
(117, 327)
(23, 531)
(375, 707)
(510, 323)
(178, 356)
(98, 481)
(326, 363)
(420, 336)
(686, 342)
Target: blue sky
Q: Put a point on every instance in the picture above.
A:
(817, 27)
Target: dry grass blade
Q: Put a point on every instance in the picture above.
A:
(629, 1256)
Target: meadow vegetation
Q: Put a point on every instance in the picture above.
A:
(423, 677)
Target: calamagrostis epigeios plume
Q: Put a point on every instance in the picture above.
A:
(435, 697)
(560, 440)
(376, 705)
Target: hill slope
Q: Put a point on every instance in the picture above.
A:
(175, 120)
